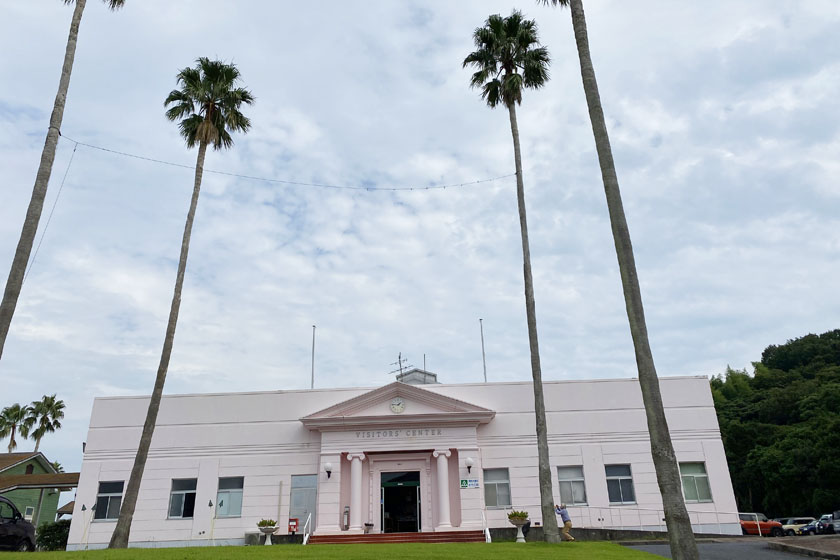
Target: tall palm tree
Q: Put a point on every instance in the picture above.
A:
(12, 422)
(45, 416)
(42, 179)
(208, 108)
(508, 58)
(680, 534)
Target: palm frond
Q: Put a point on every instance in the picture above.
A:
(189, 129)
(561, 3)
(535, 68)
(114, 4)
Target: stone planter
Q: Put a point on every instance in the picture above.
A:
(268, 531)
(518, 522)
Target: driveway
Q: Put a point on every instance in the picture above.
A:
(726, 551)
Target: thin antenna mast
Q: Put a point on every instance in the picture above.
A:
(312, 384)
(401, 364)
(483, 358)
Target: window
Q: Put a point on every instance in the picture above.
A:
(229, 497)
(6, 511)
(182, 498)
(695, 482)
(108, 500)
(496, 488)
(30, 469)
(620, 484)
(572, 487)
(29, 513)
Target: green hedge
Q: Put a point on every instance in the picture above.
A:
(53, 536)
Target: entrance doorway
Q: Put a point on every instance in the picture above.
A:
(400, 499)
(303, 499)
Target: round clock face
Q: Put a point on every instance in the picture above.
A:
(397, 405)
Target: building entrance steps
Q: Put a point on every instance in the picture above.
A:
(376, 538)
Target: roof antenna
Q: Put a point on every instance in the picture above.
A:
(401, 364)
(483, 358)
(312, 383)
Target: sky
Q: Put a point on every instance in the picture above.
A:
(724, 124)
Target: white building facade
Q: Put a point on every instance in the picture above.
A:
(398, 458)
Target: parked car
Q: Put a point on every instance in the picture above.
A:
(812, 528)
(793, 525)
(758, 524)
(16, 533)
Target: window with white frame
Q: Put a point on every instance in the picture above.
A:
(182, 498)
(496, 488)
(695, 482)
(108, 500)
(229, 496)
(620, 484)
(572, 486)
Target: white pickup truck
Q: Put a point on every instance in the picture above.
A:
(831, 522)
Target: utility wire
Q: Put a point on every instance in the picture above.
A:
(47, 223)
(294, 183)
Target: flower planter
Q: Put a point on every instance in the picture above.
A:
(268, 531)
(519, 522)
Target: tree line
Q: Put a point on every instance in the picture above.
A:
(781, 428)
(508, 60)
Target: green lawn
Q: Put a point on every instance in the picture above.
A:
(478, 551)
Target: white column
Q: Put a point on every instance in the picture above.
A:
(442, 455)
(356, 490)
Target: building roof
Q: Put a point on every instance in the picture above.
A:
(55, 480)
(8, 460)
(66, 509)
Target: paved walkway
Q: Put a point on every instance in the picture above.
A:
(816, 546)
(723, 550)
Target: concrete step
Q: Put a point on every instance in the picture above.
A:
(374, 538)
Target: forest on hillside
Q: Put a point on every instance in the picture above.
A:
(781, 427)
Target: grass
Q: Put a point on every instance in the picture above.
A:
(529, 551)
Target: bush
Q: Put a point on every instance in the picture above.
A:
(53, 536)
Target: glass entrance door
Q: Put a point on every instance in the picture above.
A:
(400, 499)
(303, 499)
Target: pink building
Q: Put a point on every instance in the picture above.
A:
(413, 455)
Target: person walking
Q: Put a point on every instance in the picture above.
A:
(567, 522)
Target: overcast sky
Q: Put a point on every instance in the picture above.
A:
(723, 119)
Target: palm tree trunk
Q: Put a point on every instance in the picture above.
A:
(550, 532)
(37, 444)
(680, 534)
(42, 179)
(12, 442)
(121, 532)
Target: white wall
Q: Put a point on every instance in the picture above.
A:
(259, 436)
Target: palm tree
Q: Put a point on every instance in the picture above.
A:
(12, 422)
(57, 466)
(39, 191)
(45, 415)
(680, 534)
(508, 58)
(207, 106)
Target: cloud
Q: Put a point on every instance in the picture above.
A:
(724, 129)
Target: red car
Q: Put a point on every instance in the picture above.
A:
(758, 524)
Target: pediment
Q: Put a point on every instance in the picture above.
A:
(374, 407)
